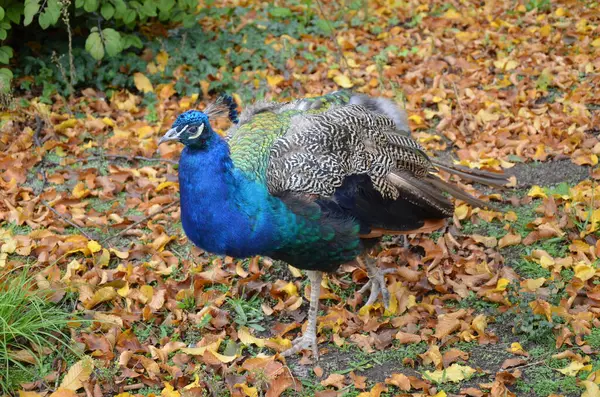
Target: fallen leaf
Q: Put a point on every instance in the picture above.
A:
(454, 373)
(78, 374)
(142, 82)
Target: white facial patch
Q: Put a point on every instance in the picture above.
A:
(197, 134)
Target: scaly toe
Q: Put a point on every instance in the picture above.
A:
(376, 284)
(306, 341)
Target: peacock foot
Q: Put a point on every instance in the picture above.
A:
(306, 341)
(376, 285)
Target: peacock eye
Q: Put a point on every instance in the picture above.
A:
(192, 130)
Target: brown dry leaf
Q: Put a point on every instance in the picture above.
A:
(78, 374)
(512, 362)
(335, 380)
(401, 381)
(509, 239)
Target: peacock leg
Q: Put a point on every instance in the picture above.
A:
(376, 281)
(309, 337)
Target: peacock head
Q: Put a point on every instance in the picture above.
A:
(191, 128)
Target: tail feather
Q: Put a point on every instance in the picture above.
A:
(420, 191)
(473, 175)
(458, 193)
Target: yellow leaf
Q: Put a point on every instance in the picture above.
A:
(596, 43)
(120, 254)
(479, 323)
(79, 191)
(247, 339)
(415, 118)
(440, 394)
(66, 124)
(28, 394)
(104, 294)
(295, 272)
(584, 271)
(162, 58)
(532, 285)
(62, 392)
(454, 373)
(169, 391)
(80, 372)
(164, 185)
(506, 64)
(194, 384)
(144, 131)
(274, 81)
(290, 289)
(591, 389)
(224, 359)
(545, 30)
(560, 12)
(142, 82)
(516, 348)
(94, 246)
(199, 351)
(462, 211)
(109, 122)
(452, 14)
(502, 284)
(124, 291)
(343, 81)
(572, 369)
(147, 291)
(248, 391)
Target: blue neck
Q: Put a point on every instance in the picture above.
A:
(225, 212)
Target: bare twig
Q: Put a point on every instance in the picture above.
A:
(129, 158)
(333, 38)
(83, 232)
(462, 111)
(135, 386)
(161, 209)
(39, 124)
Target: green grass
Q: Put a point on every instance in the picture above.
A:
(248, 312)
(27, 319)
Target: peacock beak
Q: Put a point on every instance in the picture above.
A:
(170, 135)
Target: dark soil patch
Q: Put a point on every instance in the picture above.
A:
(549, 173)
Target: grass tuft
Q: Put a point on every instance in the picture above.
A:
(30, 327)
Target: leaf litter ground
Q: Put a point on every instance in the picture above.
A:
(497, 304)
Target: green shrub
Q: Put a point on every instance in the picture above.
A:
(116, 22)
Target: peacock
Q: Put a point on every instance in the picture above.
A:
(314, 182)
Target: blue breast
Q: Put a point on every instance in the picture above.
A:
(224, 212)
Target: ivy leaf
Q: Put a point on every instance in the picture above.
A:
(3, 34)
(129, 16)
(2, 13)
(112, 41)
(280, 12)
(149, 8)
(94, 46)
(50, 15)
(90, 5)
(107, 11)
(131, 40)
(5, 77)
(31, 8)
(5, 54)
(13, 12)
(166, 5)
